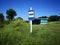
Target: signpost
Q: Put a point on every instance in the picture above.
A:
(31, 17)
(31, 26)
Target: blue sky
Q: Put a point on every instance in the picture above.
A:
(41, 7)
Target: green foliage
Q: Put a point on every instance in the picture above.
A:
(1, 17)
(1, 25)
(10, 14)
(27, 21)
(53, 18)
(20, 18)
(43, 17)
(17, 32)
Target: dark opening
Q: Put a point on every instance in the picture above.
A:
(36, 21)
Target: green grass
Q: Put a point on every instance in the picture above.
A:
(18, 33)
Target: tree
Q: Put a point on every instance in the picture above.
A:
(43, 17)
(10, 14)
(1, 17)
(53, 18)
(20, 18)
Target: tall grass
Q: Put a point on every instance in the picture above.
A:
(18, 33)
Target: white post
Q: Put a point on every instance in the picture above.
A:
(31, 26)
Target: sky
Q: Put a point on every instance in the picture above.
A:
(40, 7)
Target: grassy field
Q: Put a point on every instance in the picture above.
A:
(18, 33)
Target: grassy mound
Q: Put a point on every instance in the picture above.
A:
(18, 33)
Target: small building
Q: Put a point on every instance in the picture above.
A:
(59, 19)
(40, 21)
(43, 20)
